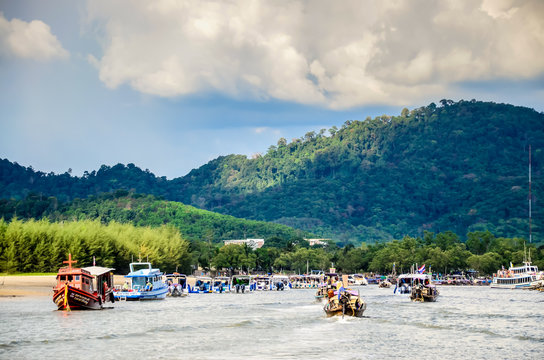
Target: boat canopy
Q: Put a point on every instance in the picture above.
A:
(414, 276)
(97, 270)
(349, 291)
(176, 275)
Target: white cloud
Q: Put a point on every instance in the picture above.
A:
(499, 8)
(29, 40)
(314, 52)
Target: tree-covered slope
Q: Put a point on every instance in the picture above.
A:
(139, 210)
(17, 182)
(457, 166)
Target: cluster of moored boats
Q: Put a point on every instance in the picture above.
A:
(92, 287)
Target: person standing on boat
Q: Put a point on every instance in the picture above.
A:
(125, 286)
(339, 288)
(148, 286)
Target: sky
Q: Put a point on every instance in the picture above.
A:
(169, 85)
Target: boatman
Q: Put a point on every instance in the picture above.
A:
(340, 288)
(125, 286)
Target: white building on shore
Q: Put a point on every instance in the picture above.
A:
(252, 243)
(313, 242)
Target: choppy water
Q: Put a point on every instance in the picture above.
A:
(465, 323)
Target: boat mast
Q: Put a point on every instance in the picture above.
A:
(70, 261)
(530, 199)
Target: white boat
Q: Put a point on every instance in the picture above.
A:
(203, 285)
(177, 285)
(146, 284)
(405, 282)
(221, 284)
(242, 283)
(516, 277)
(311, 281)
(357, 280)
(280, 282)
(263, 283)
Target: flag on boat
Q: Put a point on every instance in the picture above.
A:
(421, 270)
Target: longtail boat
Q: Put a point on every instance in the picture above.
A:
(424, 293)
(321, 292)
(344, 302)
(82, 288)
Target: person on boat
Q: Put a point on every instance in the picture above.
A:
(148, 286)
(125, 286)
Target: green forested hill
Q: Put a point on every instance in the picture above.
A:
(456, 166)
(459, 166)
(194, 224)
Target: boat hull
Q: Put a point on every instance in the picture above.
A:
(348, 312)
(76, 299)
(157, 294)
(350, 306)
(510, 286)
(424, 298)
(424, 294)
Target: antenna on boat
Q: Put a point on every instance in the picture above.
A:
(530, 199)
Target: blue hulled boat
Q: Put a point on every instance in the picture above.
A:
(146, 284)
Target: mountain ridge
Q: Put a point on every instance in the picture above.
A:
(456, 166)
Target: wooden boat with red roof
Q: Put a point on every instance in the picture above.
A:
(83, 288)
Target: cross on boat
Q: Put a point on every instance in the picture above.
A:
(69, 261)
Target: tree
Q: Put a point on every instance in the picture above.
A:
(234, 256)
(478, 242)
(486, 264)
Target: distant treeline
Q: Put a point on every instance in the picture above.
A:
(41, 246)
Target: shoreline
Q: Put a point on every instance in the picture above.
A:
(33, 285)
(26, 285)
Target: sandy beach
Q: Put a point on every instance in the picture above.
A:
(29, 285)
(33, 285)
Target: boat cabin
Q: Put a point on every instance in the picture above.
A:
(75, 277)
(144, 277)
(414, 279)
(263, 282)
(203, 284)
(177, 279)
(242, 280)
(526, 268)
(102, 278)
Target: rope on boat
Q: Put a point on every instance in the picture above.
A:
(66, 304)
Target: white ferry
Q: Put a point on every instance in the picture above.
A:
(515, 277)
(146, 284)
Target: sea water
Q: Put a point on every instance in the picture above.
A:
(464, 323)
